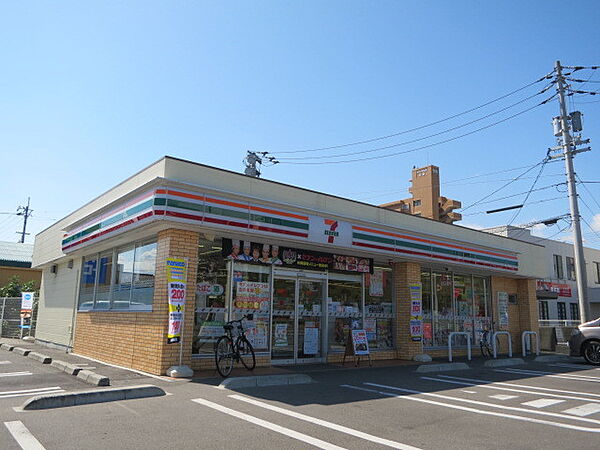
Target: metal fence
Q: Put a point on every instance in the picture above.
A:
(10, 318)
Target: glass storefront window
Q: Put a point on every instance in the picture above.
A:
(211, 296)
(119, 279)
(88, 283)
(454, 302)
(144, 271)
(251, 293)
(379, 311)
(104, 281)
(344, 309)
(124, 276)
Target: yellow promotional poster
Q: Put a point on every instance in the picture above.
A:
(176, 285)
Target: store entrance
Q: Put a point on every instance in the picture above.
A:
(297, 332)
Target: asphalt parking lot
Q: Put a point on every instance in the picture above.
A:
(536, 405)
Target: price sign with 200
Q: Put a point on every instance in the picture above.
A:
(178, 294)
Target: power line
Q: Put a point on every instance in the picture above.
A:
(520, 206)
(425, 146)
(529, 192)
(587, 190)
(366, 141)
(412, 141)
(503, 186)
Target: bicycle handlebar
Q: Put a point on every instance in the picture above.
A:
(245, 316)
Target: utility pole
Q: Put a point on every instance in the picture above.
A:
(252, 159)
(24, 211)
(568, 147)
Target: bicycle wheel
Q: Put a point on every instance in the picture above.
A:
(486, 350)
(246, 353)
(224, 356)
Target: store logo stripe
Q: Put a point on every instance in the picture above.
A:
(226, 222)
(277, 213)
(278, 221)
(226, 203)
(368, 237)
(108, 222)
(374, 246)
(216, 211)
(278, 231)
(447, 258)
(185, 205)
(414, 238)
(112, 212)
(110, 230)
(184, 195)
(183, 215)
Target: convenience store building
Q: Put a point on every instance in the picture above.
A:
(308, 265)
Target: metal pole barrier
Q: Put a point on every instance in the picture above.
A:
(494, 345)
(459, 333)
(524, 340)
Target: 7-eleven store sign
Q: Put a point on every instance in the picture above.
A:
(330, 231)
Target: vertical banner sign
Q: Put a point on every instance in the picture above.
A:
(26, 309)
(503, 309)
(416, 312)
(176, 278)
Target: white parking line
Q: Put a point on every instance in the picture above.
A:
(494, 385)
(14, 374)
(503, 397)
(477, 411)
(5, 362)
(574, 366)
(23, 436)
(540, 372)
(548, 374)
(26, 392)
(584, 410)
(270, 426)
(323, 423)
(542, 402)
(492, 405)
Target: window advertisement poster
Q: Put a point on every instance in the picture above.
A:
(257, 334)
(281, 339)
(503, 309)
(311, 340)
(376, 283)
(360, 342)
(371, 329)
(210, 331)
(416, 312)
(176, 286)
(252, 295)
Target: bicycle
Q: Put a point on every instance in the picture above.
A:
(229, 350)
(485, 345)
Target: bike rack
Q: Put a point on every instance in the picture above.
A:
(524, 340)
(459, 333)
(495, 347)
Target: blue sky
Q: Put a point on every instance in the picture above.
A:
(91, 92)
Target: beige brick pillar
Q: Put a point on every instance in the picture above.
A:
(174, 243)
(528, 307)
(405, 273)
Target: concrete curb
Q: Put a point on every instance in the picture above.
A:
(44, 359)
(65, 367)
(7, 347)
(551, 358)
(505, 362)
(21, 351)
(48, 401)
(268, 380)
(93, 378)
(443, 367)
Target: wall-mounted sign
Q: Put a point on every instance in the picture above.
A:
(503, 309)
(563, 290)
(260, 253)
(330, 231)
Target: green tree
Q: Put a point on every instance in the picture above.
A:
(15, 286)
